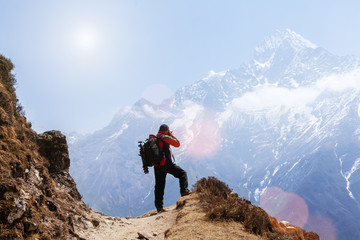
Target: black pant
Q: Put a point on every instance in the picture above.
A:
(160, 180)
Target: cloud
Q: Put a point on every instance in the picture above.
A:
(340, 82)
(267, 97)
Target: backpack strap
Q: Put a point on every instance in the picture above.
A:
(158, 137)
(172, 155)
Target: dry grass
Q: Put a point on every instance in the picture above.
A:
(222, 204)
(192, 223)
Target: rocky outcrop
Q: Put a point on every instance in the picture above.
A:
(53, 146)
(38, 197)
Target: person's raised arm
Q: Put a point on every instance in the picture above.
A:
(171, 140)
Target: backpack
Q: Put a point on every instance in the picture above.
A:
(150, 152)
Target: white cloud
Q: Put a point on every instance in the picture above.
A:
(340, 82)
(268, 97)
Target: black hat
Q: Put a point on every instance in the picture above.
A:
(164, 127)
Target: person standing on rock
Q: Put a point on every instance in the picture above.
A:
(166, 165)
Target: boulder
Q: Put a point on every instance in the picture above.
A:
(53, 146)
(17, 211)
(144, 235)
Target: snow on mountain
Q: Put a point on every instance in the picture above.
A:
(282, 130)
(292, 39)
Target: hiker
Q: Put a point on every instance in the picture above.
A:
(166, 166)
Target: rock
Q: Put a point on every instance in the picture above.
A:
(16, 170)
(95, 222)
(18, 210)
(52, 207)
(144, 235)
(4, 118)
(6, 103)
(65, 182)
(159, 217)
(53, 146)
(38, 197)
(88, 225)
(233, 193)
(30, 226)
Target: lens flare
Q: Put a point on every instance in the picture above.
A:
(205, 139)
(285, 206)
(323, 226)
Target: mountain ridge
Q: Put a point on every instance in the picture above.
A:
(279, 129)
(39, 199)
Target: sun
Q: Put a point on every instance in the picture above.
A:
(85, 40)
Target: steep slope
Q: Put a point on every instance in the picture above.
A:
(38, 197)
(283, 127)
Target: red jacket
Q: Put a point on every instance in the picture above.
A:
(173, 141)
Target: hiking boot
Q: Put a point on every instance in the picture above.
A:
(185, 193)
(160, 210)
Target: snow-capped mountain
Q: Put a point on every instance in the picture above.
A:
(282, 130)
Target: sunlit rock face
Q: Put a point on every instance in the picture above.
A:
(283, 131)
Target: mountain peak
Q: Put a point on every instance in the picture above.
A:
(287, 38)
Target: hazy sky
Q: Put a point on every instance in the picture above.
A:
(78, 62)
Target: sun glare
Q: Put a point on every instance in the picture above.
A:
(85, 40)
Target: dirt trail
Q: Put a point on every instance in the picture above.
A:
(186, 222)
(99, 226)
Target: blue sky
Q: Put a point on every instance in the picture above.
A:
(78, 62)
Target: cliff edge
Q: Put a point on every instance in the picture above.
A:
(38, 197)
